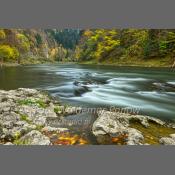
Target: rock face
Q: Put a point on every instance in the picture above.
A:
(116, 126)
(24, 114)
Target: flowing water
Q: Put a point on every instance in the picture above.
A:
(151, 90)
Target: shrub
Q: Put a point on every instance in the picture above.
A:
(8, 53)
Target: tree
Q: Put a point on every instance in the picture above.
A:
(2, 34)
(23, 44)
(152, 44)
(8, 53)
(38, 39)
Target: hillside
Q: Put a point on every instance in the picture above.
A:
(131, 47)
(146, 47)
(29, 44)
(36, 45)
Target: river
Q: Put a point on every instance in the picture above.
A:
(151, 90)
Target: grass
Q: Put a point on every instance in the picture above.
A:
(39, 127)
(17, 140)
(41, 103)
(21, 142)
(29, 102)
(24, 117)
(57, 109)
(17, 135)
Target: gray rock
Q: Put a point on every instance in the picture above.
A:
(35, 138)
(37, 115)
(167, 141)
(144, 120)
(114, 124)
(9, 119)
(52, 129)
(11, 126)
(72, 110)
(6, 106)
(8, 143)
(6, 134)
(21, 114)
(8, 124)
(108, 122)
(19, 121)
(118, 124)
(27, 91)
(156, 120)
(15, 132)
(135, 137)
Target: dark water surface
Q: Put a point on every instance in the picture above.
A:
(149, 89)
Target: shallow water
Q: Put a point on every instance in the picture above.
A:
(100, 86)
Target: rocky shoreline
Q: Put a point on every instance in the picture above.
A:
(26, 115)
(122, 128)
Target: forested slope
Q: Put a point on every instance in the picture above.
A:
(150, 47)
(37, 45)
(20, 45)
(144, 47)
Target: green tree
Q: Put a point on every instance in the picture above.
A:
(152, 44)
(38, 39)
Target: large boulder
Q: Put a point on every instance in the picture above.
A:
(34, 138)
(135, 137)
(168, 140)
(114, 125)
(111, 125)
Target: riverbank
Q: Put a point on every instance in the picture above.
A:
(9, 65)
(28, 61)
(134, 62)
(32, 117)
(28, 117)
